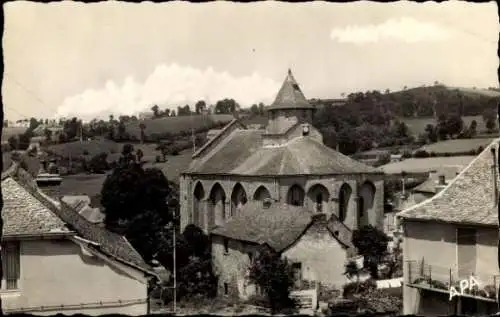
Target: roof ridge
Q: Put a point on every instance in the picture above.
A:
(452, 182)
(219, 133)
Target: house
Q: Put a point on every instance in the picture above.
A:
(287, 162)
(452, 237)
(317, 247)
(55, 261)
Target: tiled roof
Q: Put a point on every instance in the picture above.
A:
(20, 186)
(25, 215)
(242, 153)
(290, 96)
(468, 199)
(277, 226)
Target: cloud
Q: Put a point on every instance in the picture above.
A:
(404, 29)
(168, 86)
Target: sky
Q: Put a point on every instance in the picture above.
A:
(90, 60)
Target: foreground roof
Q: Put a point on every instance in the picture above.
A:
(25, 215)
(29, 210)
(279, 226)
(290, 96)
(242, 153)
(468, 199)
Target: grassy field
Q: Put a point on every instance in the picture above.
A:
(456, 146)
(93, 147)
(416, 165)
(91, 184)
(417, 125)
(11, 131)
(177, 124)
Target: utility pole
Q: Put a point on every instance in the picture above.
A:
(175, 266)
(193, 139)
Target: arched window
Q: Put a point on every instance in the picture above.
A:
(238, 198)
(365, 203)
(295, 196)
(198, 216)
(319, 203)
(261, 193)
(218, 202)
(318, 197)
(344, 197)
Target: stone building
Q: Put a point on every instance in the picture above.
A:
(286, 162)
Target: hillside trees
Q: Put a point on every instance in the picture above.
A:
(143, 205)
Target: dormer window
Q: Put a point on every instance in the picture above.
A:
(296, 87)
(305, 130)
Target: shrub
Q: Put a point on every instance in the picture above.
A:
(353, 288)
(421, 154)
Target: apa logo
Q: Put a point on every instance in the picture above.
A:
(465, 285)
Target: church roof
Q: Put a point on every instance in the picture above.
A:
(290, 96)
(242, 153)
(467, 199)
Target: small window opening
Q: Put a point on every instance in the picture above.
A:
(226, 246)
(226, 289)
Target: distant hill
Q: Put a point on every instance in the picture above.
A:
(175, 125)
(93, 147)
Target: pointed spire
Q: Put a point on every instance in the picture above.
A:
(290, 96)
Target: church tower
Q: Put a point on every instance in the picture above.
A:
(289, 108)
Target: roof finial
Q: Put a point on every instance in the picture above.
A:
(289, 71)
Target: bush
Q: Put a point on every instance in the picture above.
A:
(353, 288)
(420, 154)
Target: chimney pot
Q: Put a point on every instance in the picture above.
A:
(442, 180)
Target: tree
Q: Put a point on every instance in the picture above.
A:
(156, 111)
(139, 155)
(226, 106)
(13, 143)
(372, 244)
(142, 126)
(472, 130)
(454, 125)
(200, 106)
(254, 109)
(48, 134)
(274, 276)
(431, 134)
(131, 191)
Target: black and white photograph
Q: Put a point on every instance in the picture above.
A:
(260, 158)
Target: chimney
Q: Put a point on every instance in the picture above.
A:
(442, 180)
(267, 203)
(441, 183)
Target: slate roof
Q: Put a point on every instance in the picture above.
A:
(290, 96)
(278, 226)
(242, 153)
(468, 199)
(25, 215)
(19, 187)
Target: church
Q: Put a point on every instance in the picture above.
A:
(285, 163)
